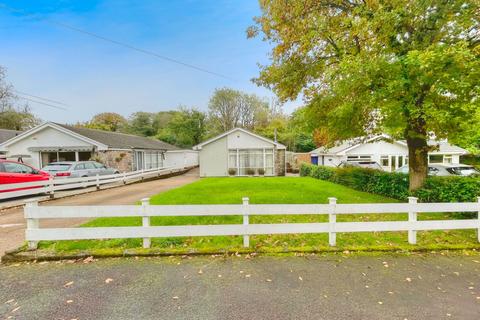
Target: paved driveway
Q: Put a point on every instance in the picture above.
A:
(333, 287)
(12, 223)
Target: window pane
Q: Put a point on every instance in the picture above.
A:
(12, 167)
(435, 158)
(89, 166)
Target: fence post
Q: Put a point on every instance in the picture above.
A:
(142, 173)
(332, 219)
(32, 223)
(124, 178)
(98, 181)
(246, 238)
(146, 221)
(412, 218)
(478, 231)
(51, 190)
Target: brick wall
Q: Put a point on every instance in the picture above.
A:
(280, 162)
(121, 160)
(298, 158)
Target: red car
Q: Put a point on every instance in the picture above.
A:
(16, 172)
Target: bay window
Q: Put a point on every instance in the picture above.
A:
(241, 160)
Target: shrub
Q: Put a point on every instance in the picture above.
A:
(250, 171)
(261, 171)
(232, 171)
(395, 185)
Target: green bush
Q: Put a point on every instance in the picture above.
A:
(395, 185)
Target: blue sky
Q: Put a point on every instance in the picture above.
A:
(94, 76)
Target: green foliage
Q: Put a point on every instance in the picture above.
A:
(229, 108)
(108, 121)
(403, 67)
(141, 123)
(395, 185)
(18, 119)
(185, 129)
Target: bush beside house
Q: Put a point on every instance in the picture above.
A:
(395, 185)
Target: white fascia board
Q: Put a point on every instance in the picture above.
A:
(199, 146)
(100, 146)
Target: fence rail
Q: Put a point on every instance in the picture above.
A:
(34, 213)
(52, 185)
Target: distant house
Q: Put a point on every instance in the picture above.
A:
(391, 155)
(51, 142)
(239, 150)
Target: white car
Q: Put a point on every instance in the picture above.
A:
(446, 170)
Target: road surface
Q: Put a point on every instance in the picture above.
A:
(12, 223)
(331, 287)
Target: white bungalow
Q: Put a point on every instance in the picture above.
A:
(238, 151)
(391, 155)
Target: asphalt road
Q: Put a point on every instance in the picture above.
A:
(12, 223)
(332, 287)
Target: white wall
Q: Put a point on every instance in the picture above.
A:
(242, 140)
(47, 137)
(214, 159)
(186, 158)
(379, 148)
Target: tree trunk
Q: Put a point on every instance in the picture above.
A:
(417, 162)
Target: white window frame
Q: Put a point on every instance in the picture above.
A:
(257, 151)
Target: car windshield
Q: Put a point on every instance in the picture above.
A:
(463, 171)
(57, 167)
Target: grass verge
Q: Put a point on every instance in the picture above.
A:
(269, 190)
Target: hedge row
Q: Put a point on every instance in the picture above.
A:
(395, 185)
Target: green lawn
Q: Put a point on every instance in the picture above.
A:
(270, 190)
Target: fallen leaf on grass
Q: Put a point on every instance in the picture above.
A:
(380, 302)
(269, 280)
(10, 301)
(175, 297)
(68, 284)
(300, 278)
(247, 276)
(200, 271)
(408, 279)
(108, 280)
(69, 301)
(15, 310)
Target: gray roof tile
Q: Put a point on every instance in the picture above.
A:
(6, 134)
(120, 140)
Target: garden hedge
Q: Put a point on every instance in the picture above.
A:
(395, 185)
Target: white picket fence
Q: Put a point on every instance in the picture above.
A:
(52, 185)
(33, 214)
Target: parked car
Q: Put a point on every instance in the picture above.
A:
(360, 164)
(16, 172)
(78, 169)
(446, 170)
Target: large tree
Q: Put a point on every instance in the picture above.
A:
(229, 108)
(108, 121)
(13, 115)
(405, 67)
(186, 128)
